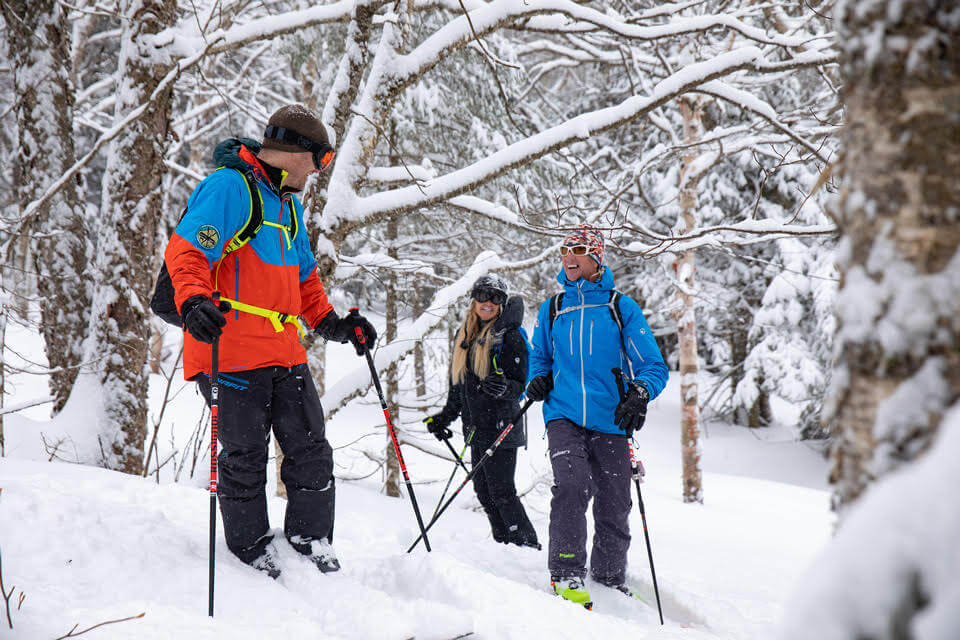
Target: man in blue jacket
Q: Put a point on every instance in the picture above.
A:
(579, 337)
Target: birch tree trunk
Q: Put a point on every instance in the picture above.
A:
(39, 50)
(419, 361)
(899, 305)
(119, 330)
(391, 483)
(686, 318)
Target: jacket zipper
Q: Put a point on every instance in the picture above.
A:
(591, 337)
(637, 351)
(583, 386)
(571, 337)
(236, 288)
(280, 231)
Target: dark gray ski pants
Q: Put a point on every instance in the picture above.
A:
(588, 464)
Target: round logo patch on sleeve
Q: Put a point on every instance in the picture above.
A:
(208, 236)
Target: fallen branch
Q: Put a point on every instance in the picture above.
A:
(71, 634)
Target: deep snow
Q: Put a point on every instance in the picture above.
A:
(87, 545)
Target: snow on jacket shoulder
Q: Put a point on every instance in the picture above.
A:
(582, 348)
(273, 270)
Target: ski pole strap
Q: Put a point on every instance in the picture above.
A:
(276, 318)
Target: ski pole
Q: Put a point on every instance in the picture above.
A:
(635, 467)
(486, 454)
(393, 433)
(452, 473)
(214, 427)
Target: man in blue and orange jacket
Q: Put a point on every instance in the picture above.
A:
(264, 379)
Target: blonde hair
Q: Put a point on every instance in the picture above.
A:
(471, 332)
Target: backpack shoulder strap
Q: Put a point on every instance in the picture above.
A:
(555, 307)
(254, 219)
(614, 305)
(294, 224)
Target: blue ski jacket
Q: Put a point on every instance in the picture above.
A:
(584, 345)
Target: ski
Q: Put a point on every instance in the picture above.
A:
(630, 593)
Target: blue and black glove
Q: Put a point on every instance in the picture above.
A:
(631, 413)
(202, 319)
(539, 388)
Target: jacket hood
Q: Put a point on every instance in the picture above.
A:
(512, 315)
(227, 153)
(605, 283)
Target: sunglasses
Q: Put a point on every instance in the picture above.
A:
(323, 153)
(577, 250)
(489, 295)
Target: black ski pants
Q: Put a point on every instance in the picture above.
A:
(251, 403)
(589, 464)
(497, 494)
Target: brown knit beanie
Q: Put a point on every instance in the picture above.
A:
(299, 119)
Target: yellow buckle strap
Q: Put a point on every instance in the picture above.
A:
(275, 317)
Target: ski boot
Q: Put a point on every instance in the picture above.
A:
(571, 588)
(268, 562)
(319, 551)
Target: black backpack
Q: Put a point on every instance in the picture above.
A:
(162, 303)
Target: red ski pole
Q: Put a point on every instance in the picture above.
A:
(393, 433)
(214, 426)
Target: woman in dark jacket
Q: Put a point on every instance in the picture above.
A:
(487, 377)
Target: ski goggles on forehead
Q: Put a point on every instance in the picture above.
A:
(323, 152)
(577, 250)
(489, 295)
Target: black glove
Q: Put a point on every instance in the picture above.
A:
(438, 426)
(632, 410)
(494, 385)
(343, 329)
(539, 388)
(202, 318)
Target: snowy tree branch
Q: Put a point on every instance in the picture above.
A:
(356, 382)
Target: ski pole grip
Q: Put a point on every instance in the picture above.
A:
(355, 311)
(222, 305)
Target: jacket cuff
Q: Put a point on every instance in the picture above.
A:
(327, 328)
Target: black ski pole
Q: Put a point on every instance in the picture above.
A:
(635, 469)
(486, 454)
(393, 433)
(452, 473)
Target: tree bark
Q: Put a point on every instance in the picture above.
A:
(899, 304)
(127, 235)
(686, 318)
(391, 484)
(419, 361)
(39, 49)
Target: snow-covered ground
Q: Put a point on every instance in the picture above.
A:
(87, 545)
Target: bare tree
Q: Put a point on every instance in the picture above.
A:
(126, 236)
(39, 50)
(685, 267)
